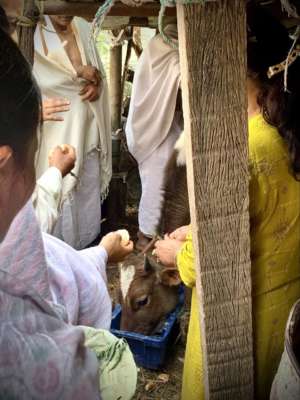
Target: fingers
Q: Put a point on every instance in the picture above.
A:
(63, 157)
(87, 94)
(54, 105)
(95, 79)
(55, 102)
(90, 93)
(83, 90)
(68, 149)
(129, 246)
(53, 117)
(57, 109)
(51, 106)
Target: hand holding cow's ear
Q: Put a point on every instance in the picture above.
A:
(116, 249)
(166, 251)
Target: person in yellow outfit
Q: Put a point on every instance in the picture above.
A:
(274, 151)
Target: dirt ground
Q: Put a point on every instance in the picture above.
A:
(164, 384)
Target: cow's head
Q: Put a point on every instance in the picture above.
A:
(148, 292)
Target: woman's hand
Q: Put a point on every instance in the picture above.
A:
(180, 233)
(52, 106)
(63, 158)
(89, 92)
(116, 248)
(166, 251)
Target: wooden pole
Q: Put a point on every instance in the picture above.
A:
(27, 29)
(212, 44)
(127, 59)
(88, 9)
(115, 84)
(116, 200)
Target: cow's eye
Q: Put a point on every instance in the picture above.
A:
(143, 301)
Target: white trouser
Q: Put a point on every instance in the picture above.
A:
(152, 176)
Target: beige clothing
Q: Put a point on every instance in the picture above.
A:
(152, 127)
(154, 94)
(86, 126)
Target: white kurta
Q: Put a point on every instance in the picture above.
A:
(86, 126)
(152, 177)
(153, 126)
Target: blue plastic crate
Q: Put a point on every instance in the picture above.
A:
(150, 351)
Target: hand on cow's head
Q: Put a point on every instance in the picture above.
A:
(166, 251)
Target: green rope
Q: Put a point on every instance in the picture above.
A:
(99, 18)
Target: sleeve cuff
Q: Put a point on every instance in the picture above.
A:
(102, 253)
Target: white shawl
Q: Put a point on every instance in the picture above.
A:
(153, 101)
(87, 125)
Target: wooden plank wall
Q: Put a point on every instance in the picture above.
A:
(212, 42)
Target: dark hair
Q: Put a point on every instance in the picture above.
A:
(4, 23)
(269, 44)
(20, 99)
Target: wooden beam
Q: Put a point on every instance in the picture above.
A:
(84, 9)
(26, 33)
(212, 44)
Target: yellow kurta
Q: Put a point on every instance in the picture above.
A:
(275, 255)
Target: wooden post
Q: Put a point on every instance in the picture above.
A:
(115, 84)
(212, 44)
(26, 31)
(116, 200)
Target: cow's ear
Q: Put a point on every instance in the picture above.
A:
(148, 264)
(170, 277)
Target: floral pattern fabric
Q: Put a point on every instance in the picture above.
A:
(41, 357)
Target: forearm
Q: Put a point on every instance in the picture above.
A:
(46, 198)
(98, 256)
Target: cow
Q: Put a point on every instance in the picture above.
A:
(147, 294)
(148, 290)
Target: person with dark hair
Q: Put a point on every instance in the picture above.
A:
(273, 86)
(41, 355)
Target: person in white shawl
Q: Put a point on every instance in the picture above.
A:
(154, 124)
(69, 68)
